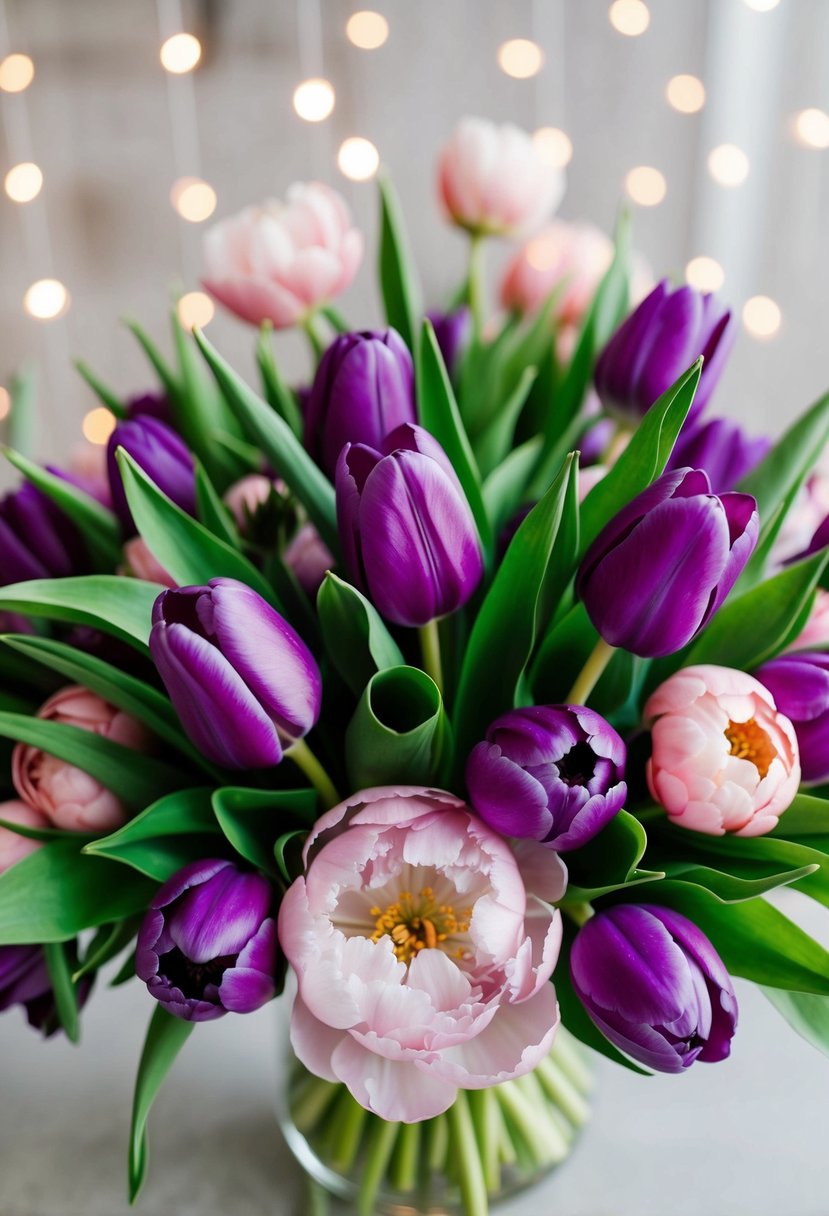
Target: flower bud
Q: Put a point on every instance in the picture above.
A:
(406, 529)
(13, 846)
(208, 944)
(152, 404)
(799, 684)
(24, 980)
(243, 682)
(724, 759)
(655, 986)
(37, 540)
(452, 333)
(657, 573)
(573, 255)
(363, 389)
(309, 558)
(722, 449)
(660, 340)
(551, 772)
(163, 456)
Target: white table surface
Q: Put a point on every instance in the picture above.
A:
(747, 1137)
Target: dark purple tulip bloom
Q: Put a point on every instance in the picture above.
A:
(554, 773)
(364, 388)
(243, 682)
(407, 533)
(655, 986)
(799, 683)
(660, 340)
(154, 404)
(720, 447)
(208, 943)
(37, 540)
(24, 980)
(657, 573)
(452, 331)
(164, 457)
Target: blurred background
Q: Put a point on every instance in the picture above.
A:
(129, 126)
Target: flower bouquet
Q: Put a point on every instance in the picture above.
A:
(478, 702)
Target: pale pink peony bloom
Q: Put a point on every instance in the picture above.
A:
(493, 180)
(13, 846)
(280, 261)
(724, 759)
(140, 563)
(67, 796)
(423, 945)
(815, 633)
(574, 255)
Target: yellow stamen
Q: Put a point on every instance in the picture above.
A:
(416, 923)
(750, 742)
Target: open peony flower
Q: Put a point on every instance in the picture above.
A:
(281, 261)
(724, 759)
(423, 946)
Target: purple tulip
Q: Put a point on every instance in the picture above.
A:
(364, 388)
(799, 683)
(655, 986)
(163, 456)
(243, 682)
(406, 529)
(660, 340)
(208, 943)
(554, 773)
(24, 980)
(657, 573)
(153, 404)
(452, 332)
(37, 540)
(720, 447)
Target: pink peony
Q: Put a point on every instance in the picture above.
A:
(140, 563)
(13, 846)
(815, 633)
(493, 180)
(724, 759)
(423, 945)
(281, 261)
(574, 255)
(67, 796)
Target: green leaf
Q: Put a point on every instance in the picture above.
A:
(789, 460)
(439, 414)
(184, 547)
(106, 945)
(22, 421)
(509, 620)
(252, 820)
(807, 816)
(505, 489)
(212, 511)
(57, 891)
(399, 733)
(105, 395)
(277, 393)
(288, 870)
(610, 859)
(162, 369)
(118, 606)
(805, 1012)
(279, 444)
(357, 640)
(171, 832)
(200, 410)
(97, 525)
(398, 275)
(732, 888)
(135, 778)
(495, 443)
(165, 1038)
(66, 998)
(643, 460)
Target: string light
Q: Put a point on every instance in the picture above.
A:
(811, 128)
(23, 182)
(761, 317)
(520, 58)
(704, 273)
(554, 146)
(367, 29)
(5, 402)
(686, 94)
(646, 186)
(629, 17)
(761, 6)
(195, 308)
(358, 159)
(193, 199)
(314, 99)
(46, 299)
(98, 425)
(16, 73)
(180, 53)
(728, 165)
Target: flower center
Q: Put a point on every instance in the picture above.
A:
(750, 742)
(418, 922)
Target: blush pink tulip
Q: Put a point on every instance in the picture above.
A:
(815, 633)
(280, 261)
(575, 255)
(492, 180)
(13, 846)
(724, 759)
(423, 945)
(140, 563)
(70, 798)
(246, 496)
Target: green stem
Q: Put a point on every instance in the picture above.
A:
(316, 338)
(437, 1144)
(484, 1110)
(430, 647)
(475, 283)
(569, 1056)
(305, 759)
(578, 911)
(348, 1118)
(403, 1173)
(381, 1144)
(590, 674)
(561, 1091)
(470, 1166)
(556, 1131)
(310, 1103)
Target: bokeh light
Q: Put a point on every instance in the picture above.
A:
(193, 199)
(314, 99)
(367, 30)
(554, 146)
(728, 165)
(180, 53)
(23, 182)
(704, 273)
(629, 17)
(520, 58)
(645, 185)
(46, 299)
(16, 73)
(811, 128)
(358, 158)
(761, 317)
(98, 425)
(685, 94)
(195, 308)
